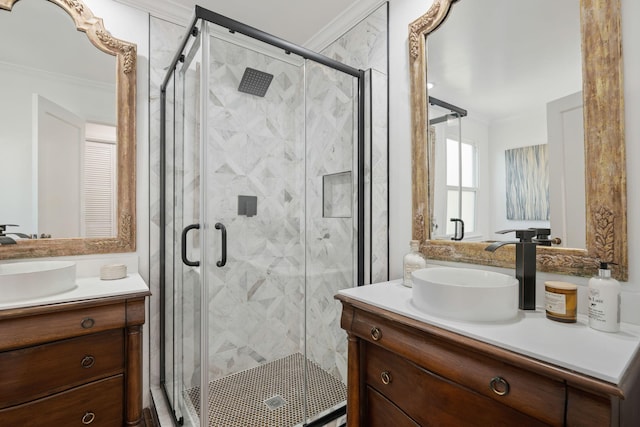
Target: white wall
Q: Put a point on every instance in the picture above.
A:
(402, 12)
(631, 55)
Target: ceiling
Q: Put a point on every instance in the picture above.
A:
(296, 21)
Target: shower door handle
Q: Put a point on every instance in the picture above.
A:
(223, 258)
(183, 245)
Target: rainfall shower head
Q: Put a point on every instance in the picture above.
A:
(255, 82)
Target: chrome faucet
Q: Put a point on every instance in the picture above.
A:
(525, 265)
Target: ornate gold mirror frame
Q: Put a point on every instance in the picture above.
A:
(605, 168)
(125, 53)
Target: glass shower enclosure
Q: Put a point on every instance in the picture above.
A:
(261, 213)
(453, 177)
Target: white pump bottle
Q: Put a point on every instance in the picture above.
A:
(604, 301)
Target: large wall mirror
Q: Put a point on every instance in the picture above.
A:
(518, 122)
(68, 114)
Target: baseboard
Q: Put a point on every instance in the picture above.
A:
(151, 417)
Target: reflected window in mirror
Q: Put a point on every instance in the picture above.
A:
(456, 183)
(461, 185)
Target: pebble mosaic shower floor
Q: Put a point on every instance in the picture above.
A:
(243, 399)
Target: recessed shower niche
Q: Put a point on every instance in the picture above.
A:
(337, 195)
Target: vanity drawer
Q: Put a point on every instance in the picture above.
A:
(98, 404)
(529, 393)
(35, 329)
(432, 400)
(34, 372)
(383, 413)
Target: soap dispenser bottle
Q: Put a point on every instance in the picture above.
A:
(413, 261)
(604, 301)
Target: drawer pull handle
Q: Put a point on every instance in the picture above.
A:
(87, 323)
(385, 377)
(88, 418)
(88, 361)
(499, 385)
(376, 333)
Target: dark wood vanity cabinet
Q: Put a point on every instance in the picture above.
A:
(73, 364)
(403, 372)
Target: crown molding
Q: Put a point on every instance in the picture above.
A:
(180, 14)
(342, 23)
(166, 9)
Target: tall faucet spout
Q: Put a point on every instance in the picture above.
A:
(492, 247)
(525, 266)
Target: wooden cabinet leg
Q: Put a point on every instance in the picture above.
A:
(133, 392)
(353, 382)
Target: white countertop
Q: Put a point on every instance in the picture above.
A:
(573, 346)
(87, 288)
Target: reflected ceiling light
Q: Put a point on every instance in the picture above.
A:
(430, 85)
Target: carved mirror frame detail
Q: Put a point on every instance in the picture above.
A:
(126, 55)
(605, 158)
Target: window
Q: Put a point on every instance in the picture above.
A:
(100, 182)
(461, 184)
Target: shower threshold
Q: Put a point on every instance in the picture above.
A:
(270, 395)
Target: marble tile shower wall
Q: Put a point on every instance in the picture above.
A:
(363, 47)
(255, 148)
(330, 120)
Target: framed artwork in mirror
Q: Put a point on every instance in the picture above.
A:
(527, 183)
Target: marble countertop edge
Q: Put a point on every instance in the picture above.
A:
(572, 346)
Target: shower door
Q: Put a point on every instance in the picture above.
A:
(453, 210)
(182, 291)
(253, 271)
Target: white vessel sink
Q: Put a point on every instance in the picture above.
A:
(465, 294)
(28, 280)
